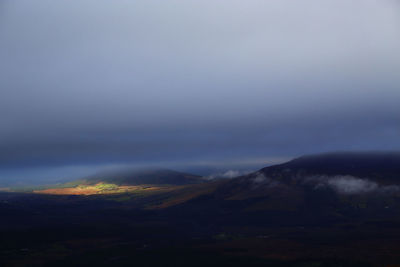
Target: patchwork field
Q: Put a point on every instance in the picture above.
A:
(101, 188)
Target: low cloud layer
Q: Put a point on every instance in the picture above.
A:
(342, 184)
(93, 82)
(349, 185)
(227, 175)
(260, 179)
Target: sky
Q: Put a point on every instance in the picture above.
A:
(91, 83)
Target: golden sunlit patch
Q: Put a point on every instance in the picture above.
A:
(100, 188)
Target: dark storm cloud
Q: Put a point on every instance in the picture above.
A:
(95, 82)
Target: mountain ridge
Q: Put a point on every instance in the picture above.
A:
(144, 176)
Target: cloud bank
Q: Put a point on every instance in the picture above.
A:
(93, 82)
(350, 185)
(260, 179)
(227, 174)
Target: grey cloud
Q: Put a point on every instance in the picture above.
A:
(349, 185)
(227, 174)
(260, 179)
(352, 185)
(95, 82)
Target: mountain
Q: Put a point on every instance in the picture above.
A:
(325, 187)
(317, 208)
(347, 173)
(382, 167)
(144, 181)
(315, 189)
(144, 176)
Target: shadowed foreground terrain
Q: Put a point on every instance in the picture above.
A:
(325, 210)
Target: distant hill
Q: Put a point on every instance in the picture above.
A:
(348, 172)
(382, 167)
(149, 176)
(326, 185)
(149, 181)
(312, 189)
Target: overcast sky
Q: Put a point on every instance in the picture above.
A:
(93, 83)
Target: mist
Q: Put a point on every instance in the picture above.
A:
(350, 185)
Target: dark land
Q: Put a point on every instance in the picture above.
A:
(339, 209)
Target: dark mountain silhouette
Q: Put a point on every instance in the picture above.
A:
(382, 167)
(373, 169)
(144, 176)
(316, 189)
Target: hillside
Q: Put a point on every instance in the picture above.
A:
(143, 182)
(345, 173)
(329, 207)
(315, 189)
(381, 167)
(147, 176)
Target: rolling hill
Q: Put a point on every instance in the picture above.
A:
(123, 181)
(147, 176)
(348, 173)
(316, 189)
(326, 187)
(381, 167)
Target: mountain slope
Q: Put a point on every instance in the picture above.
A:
(382, 167)
(347, 171)
(138, 182)
(138, 177)
(317, 189)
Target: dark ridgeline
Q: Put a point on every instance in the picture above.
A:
(144, 176)
(380, 166)
(311, 190)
